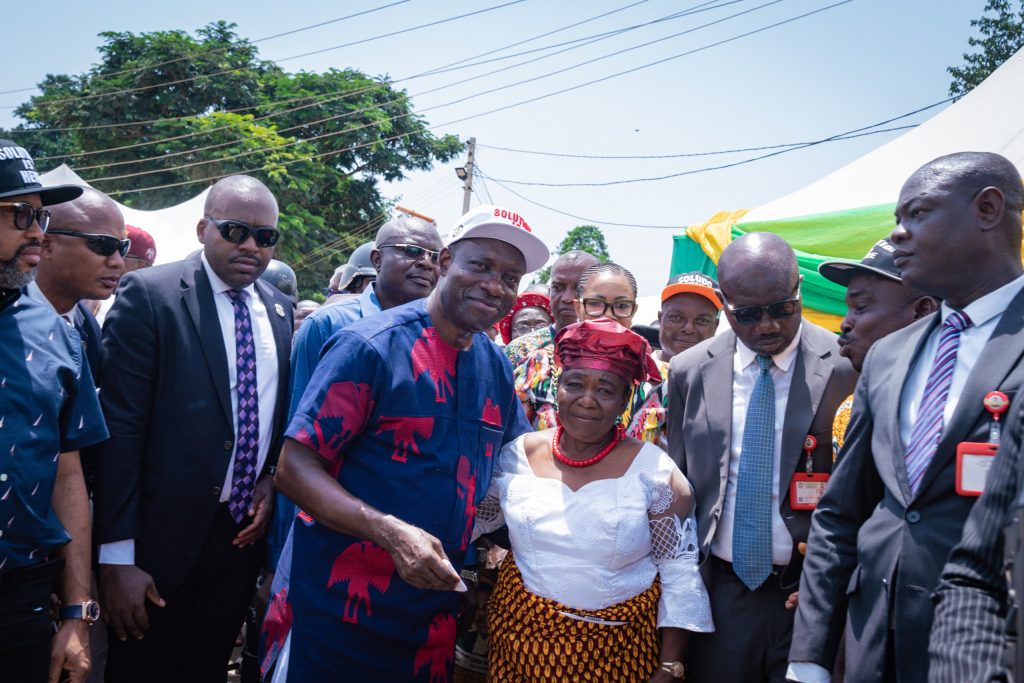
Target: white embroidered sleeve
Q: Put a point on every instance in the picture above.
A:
(684, 599)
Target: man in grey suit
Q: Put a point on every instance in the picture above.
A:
(892, 512)
(743, 405)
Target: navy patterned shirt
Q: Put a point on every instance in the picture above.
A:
(48, 406)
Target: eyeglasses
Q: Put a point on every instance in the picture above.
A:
(238, 232)
(749, 315)
(413, 252)
(104, 245)
(26, 214)
(596, 308)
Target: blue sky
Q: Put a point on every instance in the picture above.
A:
(844, 68)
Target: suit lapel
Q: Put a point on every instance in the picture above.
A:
(716, 384)
(810, 377)
(901, 371)
(1000, 353)
(282, 335)
(197, 296)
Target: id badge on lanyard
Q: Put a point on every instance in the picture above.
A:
(973, 458)
(807, 487)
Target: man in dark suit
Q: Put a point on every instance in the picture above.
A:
(741, 408)
(968, 638)
(892, 512)
(195, 376)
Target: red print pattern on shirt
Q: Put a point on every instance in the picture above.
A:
(439, 650)
(405, 430)
(466, 487)
(431, 355)
(362, 565)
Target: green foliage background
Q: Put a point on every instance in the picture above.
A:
(1002, 34)
(164, 108)
(588, 238)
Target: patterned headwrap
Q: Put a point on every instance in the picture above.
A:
(525, 300)
(603, 344)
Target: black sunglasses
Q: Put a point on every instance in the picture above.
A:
(596, 308)
(104, 245)
(26, 214)
(413, 252)
(238, 232)
(749, 315)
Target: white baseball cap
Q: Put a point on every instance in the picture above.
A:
(498, 223)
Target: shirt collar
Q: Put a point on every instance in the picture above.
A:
(980, 311)
(783, 359)
(36, 294)
(218, 285)
(368, 300)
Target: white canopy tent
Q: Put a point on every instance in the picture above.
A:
(173, 228)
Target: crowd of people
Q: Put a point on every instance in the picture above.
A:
(434, 476)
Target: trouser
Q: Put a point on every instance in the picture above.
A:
(191, 638)
(26, 630)
(753, 630)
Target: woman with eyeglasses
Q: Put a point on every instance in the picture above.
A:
(605, 290)
(603, 581)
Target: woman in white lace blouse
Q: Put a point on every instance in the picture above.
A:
(603, 582)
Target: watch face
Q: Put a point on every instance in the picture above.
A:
(676, 669)
(91, 611)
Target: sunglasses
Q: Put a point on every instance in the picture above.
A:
(596, 308)
(26, 214)
(749, 315)
(413, 252)
(238, 232)
(104, 245)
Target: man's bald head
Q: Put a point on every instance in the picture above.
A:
(238, 190)
(762, 256)
(399, 231)
(562, 283)
(92, 212)
(576, 257)
(405, 273)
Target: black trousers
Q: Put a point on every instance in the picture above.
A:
(190, 639)
(753, 630)
(26, 630)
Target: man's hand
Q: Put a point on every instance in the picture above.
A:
(793, 600)
(70, 651)
(124, 588)
(262, 505)
(418, 556)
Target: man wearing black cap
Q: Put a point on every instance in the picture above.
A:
(48, 411)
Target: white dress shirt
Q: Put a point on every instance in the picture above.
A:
(123, 552)
(985, 314)
(745, 371)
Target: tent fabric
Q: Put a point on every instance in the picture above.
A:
(844, 213)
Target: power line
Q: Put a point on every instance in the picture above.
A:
(345, 95)
(473, 116)
(155, 65)
(473, 96)
(141, 88)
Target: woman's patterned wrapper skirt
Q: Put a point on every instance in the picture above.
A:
(532, 641)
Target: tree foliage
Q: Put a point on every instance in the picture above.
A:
(588, 238)
(165, 108)
(1002, 34)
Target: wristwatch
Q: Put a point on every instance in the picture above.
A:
(88, 611)
(675, 669)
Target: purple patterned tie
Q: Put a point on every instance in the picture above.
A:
(927, 431)
(243, 479)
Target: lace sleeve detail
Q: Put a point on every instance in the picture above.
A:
(674, 548)
(488, 514)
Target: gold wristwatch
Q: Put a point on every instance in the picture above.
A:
(675, 669)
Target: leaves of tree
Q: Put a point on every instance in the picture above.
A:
(1002, 35)
(588, 238)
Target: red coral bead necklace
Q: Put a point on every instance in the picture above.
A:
(617, 435)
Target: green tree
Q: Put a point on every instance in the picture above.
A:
(588, 238)
(169, 112)
(1002, 35)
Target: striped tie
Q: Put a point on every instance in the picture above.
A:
(924, 438)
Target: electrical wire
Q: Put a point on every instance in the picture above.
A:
(191, 79)
(459, 100)
(147, 67)
(444, 69)
(473, 116)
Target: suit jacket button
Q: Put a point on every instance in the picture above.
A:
(216, 490)
(228, 445)
(913, 516)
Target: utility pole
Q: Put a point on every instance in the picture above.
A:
(467, 182)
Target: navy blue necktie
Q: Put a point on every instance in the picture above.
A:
(243, 479)
(752, 518)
